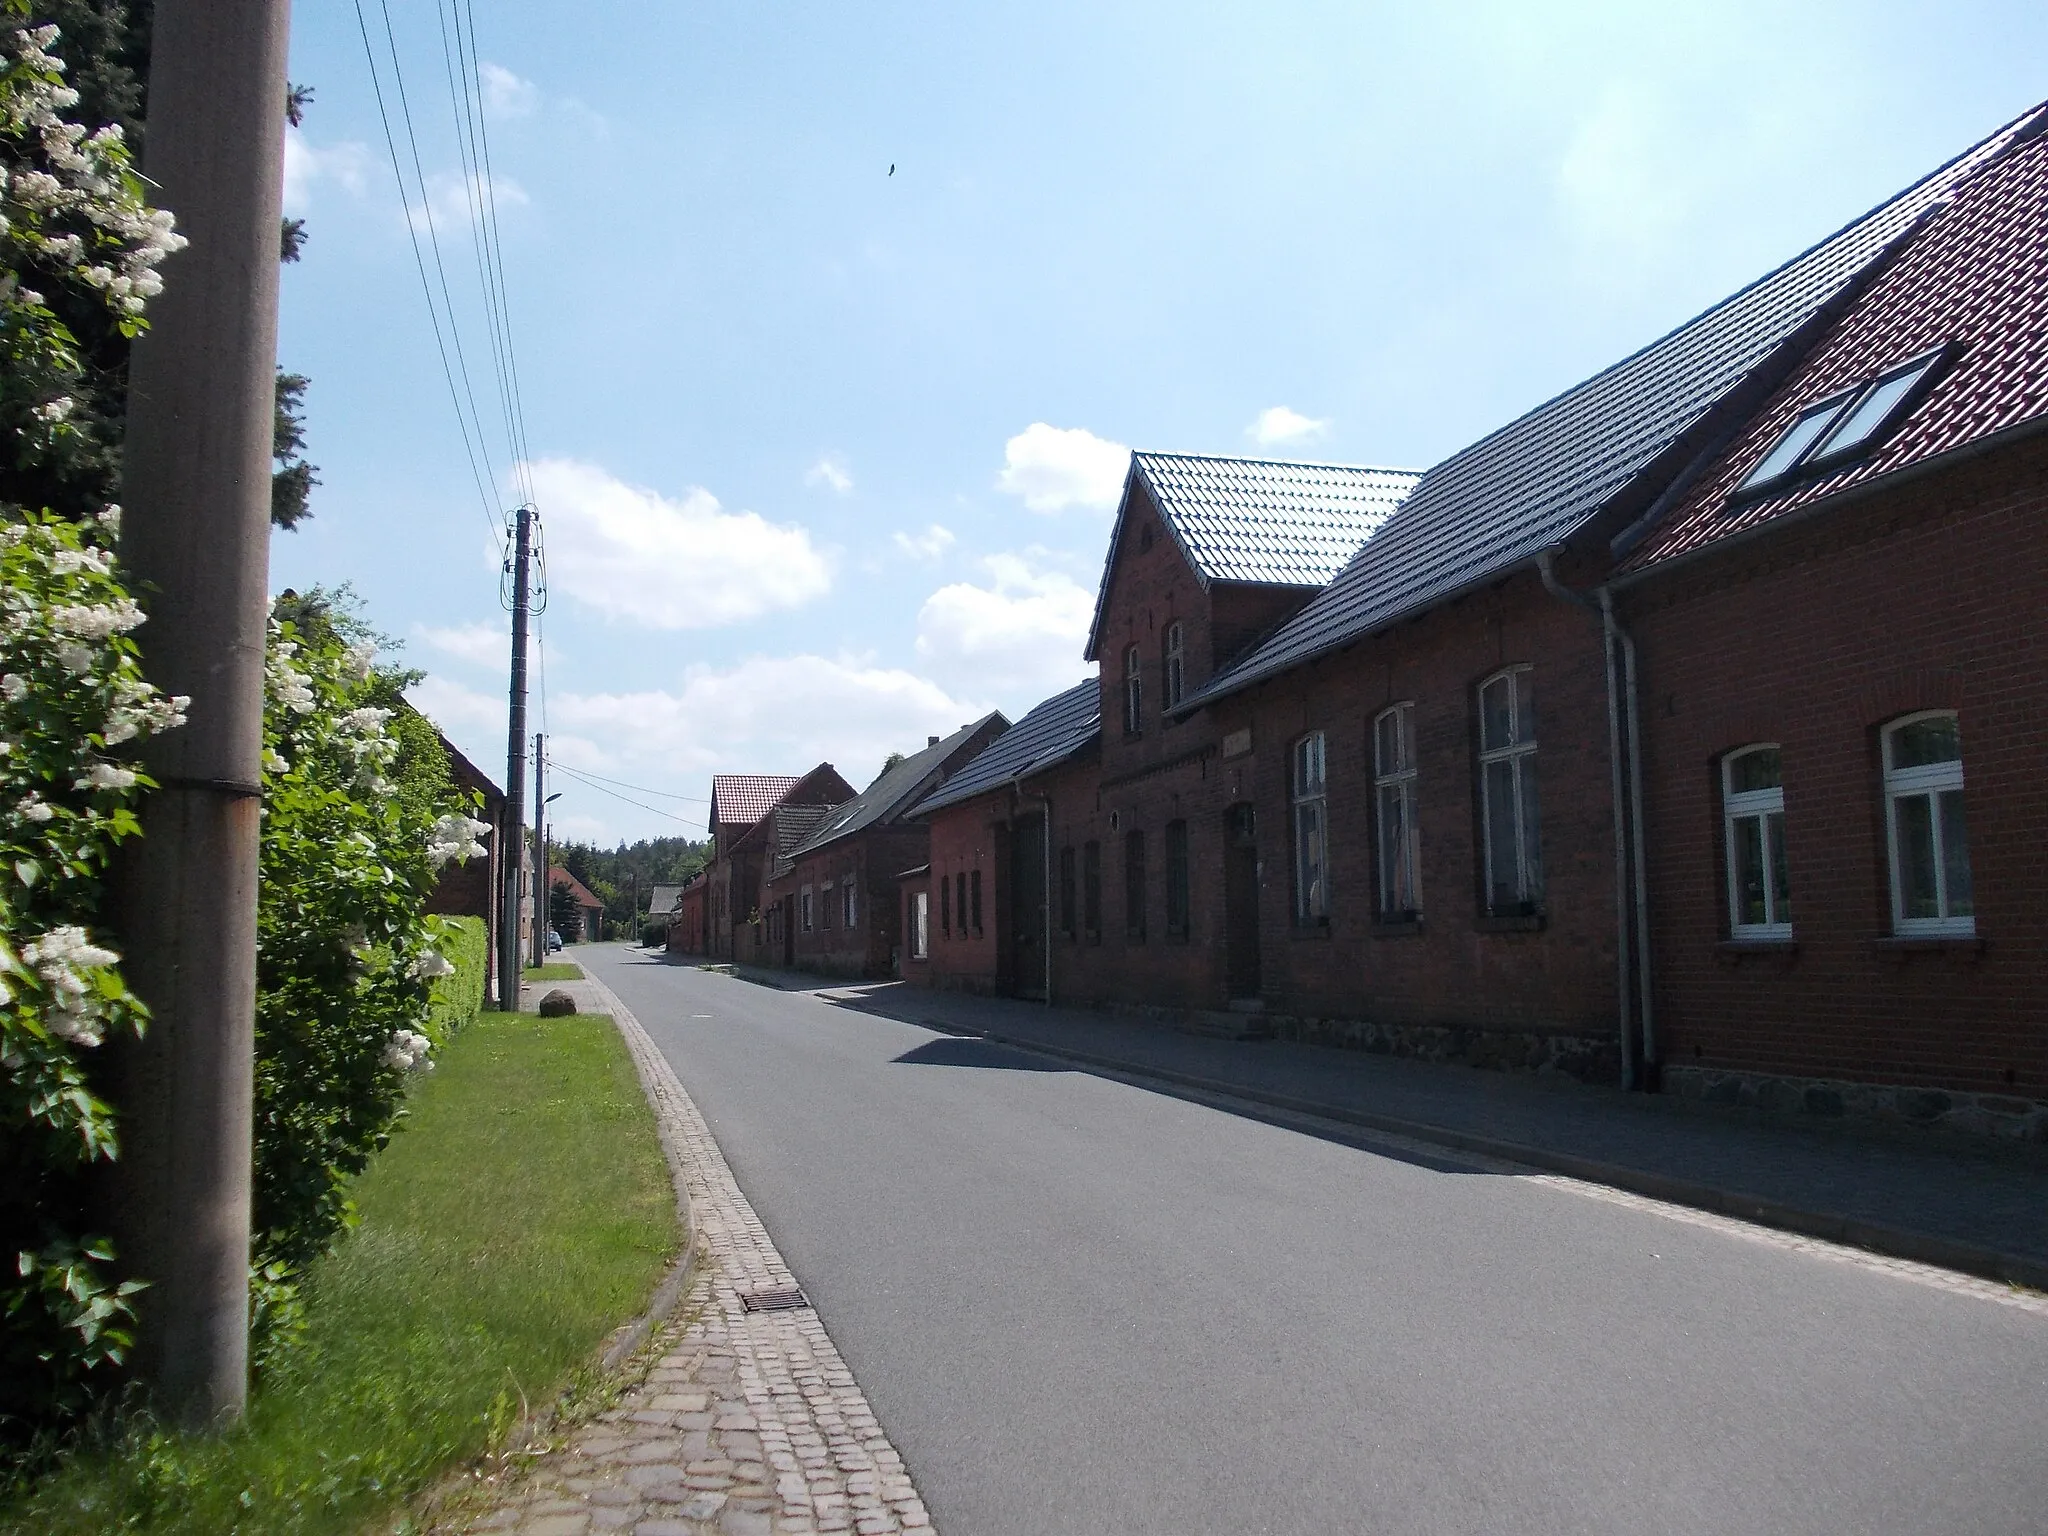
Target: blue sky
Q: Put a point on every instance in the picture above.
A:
(827, 455)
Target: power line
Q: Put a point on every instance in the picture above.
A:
(419, 261)
(655, 809)
(433, 229)
(641, 788)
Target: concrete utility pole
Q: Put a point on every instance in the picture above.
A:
(196, 487)
(515, 771)
(543, 892)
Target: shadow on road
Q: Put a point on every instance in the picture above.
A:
(966, 1051)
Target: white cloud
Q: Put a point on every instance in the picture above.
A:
(1020, 636)
(505, 93)
(1616, 180)
(766, 714)
(486, 645)
(1054, 468)
(455, 201)
(830, 471)
(635, 554)
(929, 545)
(345, 165)
(1280, 424)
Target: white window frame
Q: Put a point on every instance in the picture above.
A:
(825, 894)
(849, 904)
(1134, 692)
(1308, 793)
(804, 909)
(1176, 663)
(1758, 805)
(1393, 779)
(920, 925)
(1929, 781)
(1520, 750)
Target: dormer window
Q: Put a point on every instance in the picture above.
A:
(1845, 423)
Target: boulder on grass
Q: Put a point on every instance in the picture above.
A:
(556, 1004)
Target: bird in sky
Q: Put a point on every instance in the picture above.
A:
(892, 170)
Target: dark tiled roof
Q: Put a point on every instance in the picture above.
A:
(1975, 277)
(1050, 734)
(741, 799)
(1541, 478)
(893, 792)
(791, 824)
(1261, 520)
(1257, 520)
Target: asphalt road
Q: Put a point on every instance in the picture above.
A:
(1082, 1306)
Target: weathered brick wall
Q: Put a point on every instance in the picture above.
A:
(1930, 596)
(1457, 969)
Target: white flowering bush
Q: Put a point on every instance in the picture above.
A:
(359, 819)
(79, 247)
(72, 702)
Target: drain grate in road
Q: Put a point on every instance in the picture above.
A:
(784, 1299)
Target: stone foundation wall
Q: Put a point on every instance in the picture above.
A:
(1589, 1059)
(1972, 1114)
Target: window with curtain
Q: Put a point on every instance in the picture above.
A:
(1309, 791)
(1399, 839)
(1753, 827)
(1511, 828)
(1930, 843)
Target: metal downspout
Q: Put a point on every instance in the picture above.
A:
(1642, 876)
(1624, 981)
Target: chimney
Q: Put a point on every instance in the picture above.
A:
(933, 742)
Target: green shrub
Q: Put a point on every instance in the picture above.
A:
(654, 935)
(78, 247)
(459, 998)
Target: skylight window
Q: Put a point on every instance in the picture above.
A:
(1845, 423)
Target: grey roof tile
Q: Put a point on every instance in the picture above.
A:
(1053, 732)
(1269, 521)
(891, 793)
(1533, 483)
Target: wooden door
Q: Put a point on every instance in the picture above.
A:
(1241, 902)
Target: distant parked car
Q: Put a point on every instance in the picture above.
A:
(554, 941)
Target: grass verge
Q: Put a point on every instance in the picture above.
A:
(555, 970)
(521, 1214)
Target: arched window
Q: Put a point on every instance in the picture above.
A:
(1309, 792)
(1507, 792)
(1176, 671)
(1753, 818)
(1134, 692)
(1400, 843)
(1930, 845)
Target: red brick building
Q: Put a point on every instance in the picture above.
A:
(743, 846)
(689, 920)
(832, 902)
(589, 924)
(471, 888)
(1530, 773)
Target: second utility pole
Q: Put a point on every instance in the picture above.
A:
(543, 892)
(512, 838)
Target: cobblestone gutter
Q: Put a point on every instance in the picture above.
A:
(749, 1423)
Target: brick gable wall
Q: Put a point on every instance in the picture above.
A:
(1930, 596)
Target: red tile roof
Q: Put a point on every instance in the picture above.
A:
(1976, 276)
(566, 881)
(741, 799)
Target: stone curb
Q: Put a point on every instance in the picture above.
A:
(1830, 1226)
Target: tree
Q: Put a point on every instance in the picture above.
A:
(564, 915)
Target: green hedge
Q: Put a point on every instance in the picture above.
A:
(458, 999)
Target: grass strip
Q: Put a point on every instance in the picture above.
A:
(555, 970)
(523, 1211)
